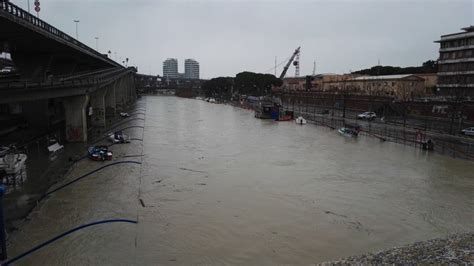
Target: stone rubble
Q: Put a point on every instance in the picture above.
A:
(454, 249)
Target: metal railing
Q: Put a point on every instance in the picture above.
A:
(93, 78)
(7, 7)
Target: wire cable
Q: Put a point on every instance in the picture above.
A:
(83, 176)
(26, 253)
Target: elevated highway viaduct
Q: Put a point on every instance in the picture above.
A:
(58, 78)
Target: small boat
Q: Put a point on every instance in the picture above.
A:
(12, 163)
(123, 114)
(348, 132)
(300, 120)
(4, 150)
(286, 116)
(263, 110)
(118, 137)
(54, 146)
(99, 153)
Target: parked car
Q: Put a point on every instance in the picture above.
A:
(367, 115)
(468, 131)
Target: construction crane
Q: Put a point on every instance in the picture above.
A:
(285, 69)
(296, 63)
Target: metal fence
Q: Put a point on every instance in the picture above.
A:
(455, 146)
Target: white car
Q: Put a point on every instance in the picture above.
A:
(367, 115)
(468, 131)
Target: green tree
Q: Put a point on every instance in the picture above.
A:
(218, 87)
(256, 84)
(429, 66)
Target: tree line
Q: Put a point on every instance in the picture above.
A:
(244, 83)
(429, 66)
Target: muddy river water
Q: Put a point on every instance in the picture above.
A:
(217, 186)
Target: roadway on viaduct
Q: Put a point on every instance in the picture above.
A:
(54, 68)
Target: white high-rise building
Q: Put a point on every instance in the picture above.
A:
(170, 68)
(191, 69)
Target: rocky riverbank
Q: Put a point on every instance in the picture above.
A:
(453, 249)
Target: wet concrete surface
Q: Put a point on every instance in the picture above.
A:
(218, 186)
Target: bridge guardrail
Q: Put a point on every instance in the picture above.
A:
(16, 11)
(96, 80)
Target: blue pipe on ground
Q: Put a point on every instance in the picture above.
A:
(83, 176)
(24, 254)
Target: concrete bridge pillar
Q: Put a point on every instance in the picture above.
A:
(129, 89)
(133, 89)
(97, 102)
(76, 120)
(125, 92)
(120, 95)
(110, 101)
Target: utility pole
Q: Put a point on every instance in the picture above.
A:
(77, 30)
(97, 44)
(275, 66)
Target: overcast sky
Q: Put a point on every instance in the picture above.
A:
(230, 36)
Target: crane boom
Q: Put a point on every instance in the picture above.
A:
(283, 73)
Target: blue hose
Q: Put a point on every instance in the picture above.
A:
(83, 176)
(65, 234)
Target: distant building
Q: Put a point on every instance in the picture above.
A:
(431, 80)
(191, 69)
(456, 64)
(317, 84)
(181, 76)
(401, 87)
(170, 68)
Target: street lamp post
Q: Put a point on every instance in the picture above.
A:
(77, 31)
(97, 44)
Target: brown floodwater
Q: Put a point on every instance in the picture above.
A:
(218, 186)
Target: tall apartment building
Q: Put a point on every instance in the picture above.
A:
(456, 64)
(191, 69)
(170, 68)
